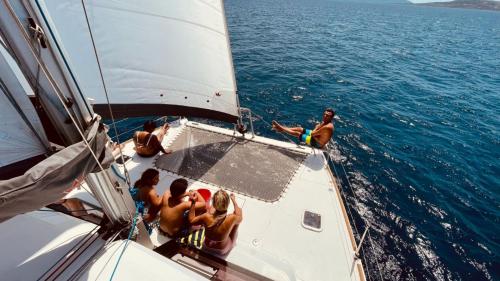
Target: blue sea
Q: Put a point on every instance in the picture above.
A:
(417, 143)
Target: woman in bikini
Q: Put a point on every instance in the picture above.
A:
(144, 190)
(148, 144)
(220, 228)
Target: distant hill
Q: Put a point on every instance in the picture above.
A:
(377, 1)
(389, 1)
(467, 4)
(381, 1)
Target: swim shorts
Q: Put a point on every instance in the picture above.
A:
(308, 139)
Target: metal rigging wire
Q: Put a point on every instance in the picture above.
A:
(369, 234)
(56, 88)
(127, 175)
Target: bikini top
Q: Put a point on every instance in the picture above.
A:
(141, 144)
(218, 221)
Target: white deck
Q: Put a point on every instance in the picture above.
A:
(32, 243)
(271, 240)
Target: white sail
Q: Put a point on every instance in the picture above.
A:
(156, 56)
(21, 132)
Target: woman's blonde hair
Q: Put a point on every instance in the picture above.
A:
(220, 201)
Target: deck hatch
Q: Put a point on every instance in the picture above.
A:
(254, 169)
(311, 220)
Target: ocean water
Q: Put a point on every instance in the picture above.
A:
(416, 144)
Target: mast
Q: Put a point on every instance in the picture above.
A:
(42, 69)
(34, 48)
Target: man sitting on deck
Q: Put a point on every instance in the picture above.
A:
(148, 144)
(318, 137)
(174, 210)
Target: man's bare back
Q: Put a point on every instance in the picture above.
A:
(173, 212)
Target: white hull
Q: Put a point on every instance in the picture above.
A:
(272, 241)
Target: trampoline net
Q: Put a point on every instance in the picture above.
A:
(251, 168)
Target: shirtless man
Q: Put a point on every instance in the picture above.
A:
(174, 210)
(148, 144)
(318, 137)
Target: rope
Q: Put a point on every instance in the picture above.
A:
(58, 94)
(37, 85)
(117, 173)
(127, 175)
(135, 128)
(121, 120)
(349, 209)
(39, 35)
(369, 235)
(79, 271)
(71, 251)
(271, 125)
(126, 244)
(64, 60)
(71, 211)
(350, 215)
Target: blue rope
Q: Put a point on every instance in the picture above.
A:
(126, 244)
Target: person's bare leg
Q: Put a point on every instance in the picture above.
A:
(294, 131)
(163, 131)
(277, 126)
(159, 137)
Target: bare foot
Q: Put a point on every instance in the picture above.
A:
(277, 127)
(118, 146)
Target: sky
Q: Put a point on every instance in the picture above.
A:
(426, 1)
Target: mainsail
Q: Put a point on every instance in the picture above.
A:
(29, 164)
(21, 133)
(162, 57)
(26, 170)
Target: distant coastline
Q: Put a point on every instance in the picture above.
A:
(467, 4)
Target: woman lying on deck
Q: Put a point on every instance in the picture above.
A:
(220, 228)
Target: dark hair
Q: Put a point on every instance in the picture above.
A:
(178, 187)
(331, 111)
(147, 177)
(149, 125)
